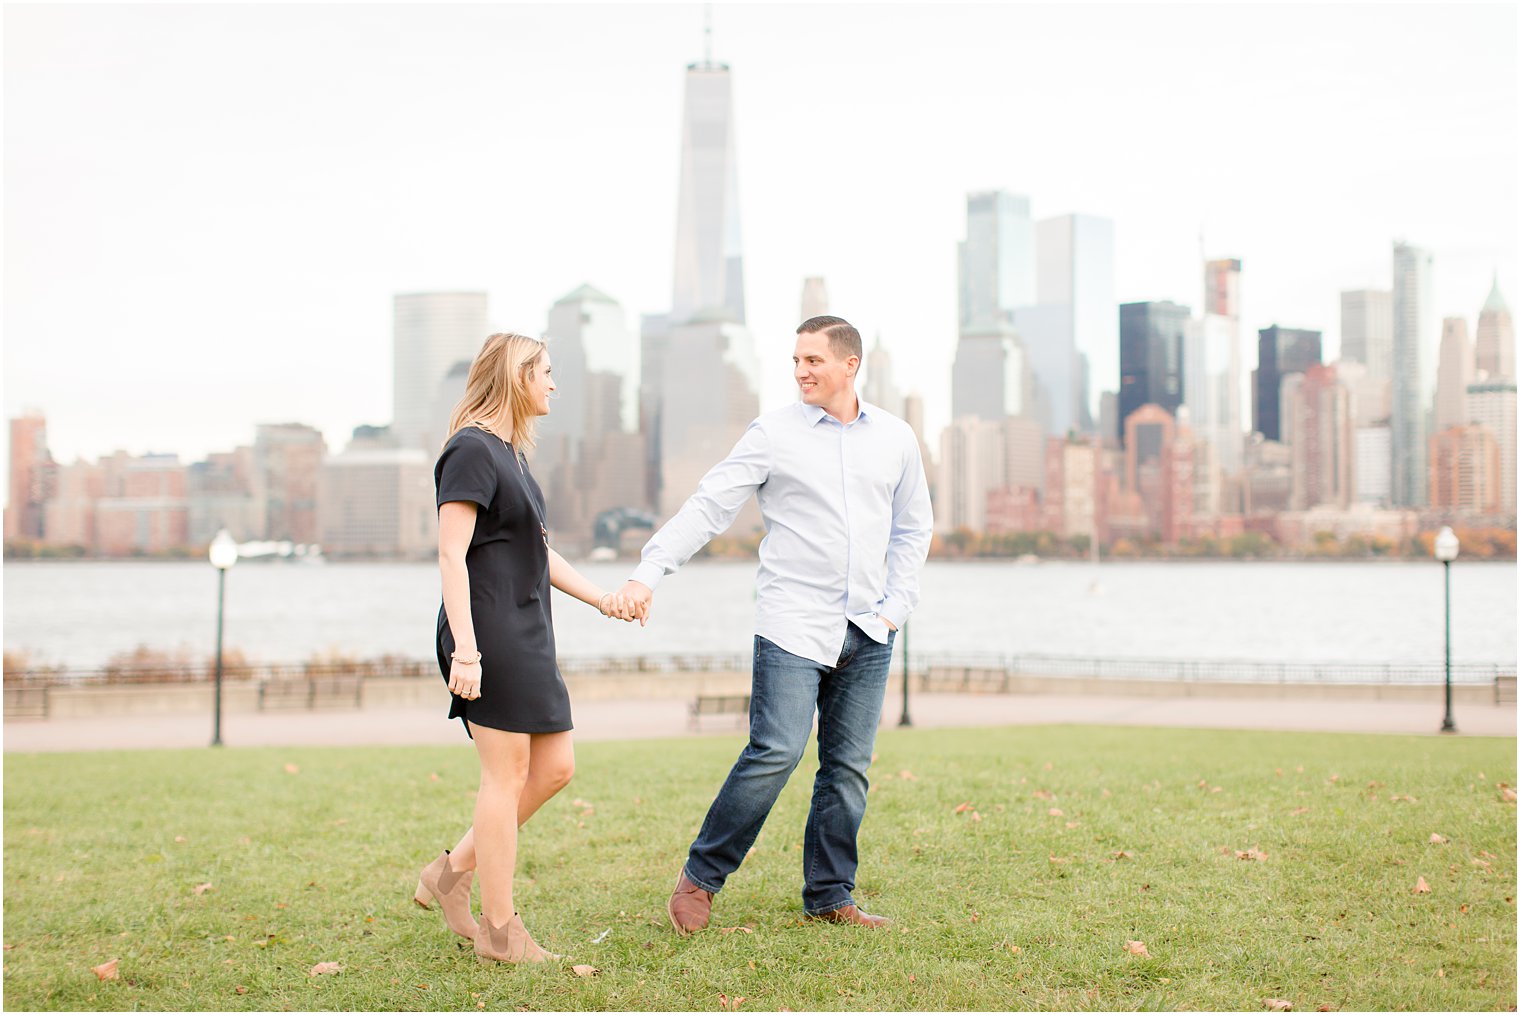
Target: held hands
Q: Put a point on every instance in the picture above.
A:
(617, 606)
(639, 596)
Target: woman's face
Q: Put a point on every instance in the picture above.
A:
(541, 383)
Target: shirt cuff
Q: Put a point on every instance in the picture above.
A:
(647, 573)
(895, 613)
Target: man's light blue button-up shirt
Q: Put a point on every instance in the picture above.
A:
(847, 521)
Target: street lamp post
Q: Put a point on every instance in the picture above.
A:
(1446, 552)
(906, 719)
(223, 554)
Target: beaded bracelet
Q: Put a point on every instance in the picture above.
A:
(464, 661)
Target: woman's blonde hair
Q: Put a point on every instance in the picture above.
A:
(497, 388)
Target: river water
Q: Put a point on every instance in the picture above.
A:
(81, 613)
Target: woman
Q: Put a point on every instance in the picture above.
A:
(496, 637)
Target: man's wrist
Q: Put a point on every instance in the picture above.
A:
(647, 574)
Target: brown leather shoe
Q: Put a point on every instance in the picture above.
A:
(689, 906)
(852, 914)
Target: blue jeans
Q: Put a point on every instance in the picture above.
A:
(787, 690)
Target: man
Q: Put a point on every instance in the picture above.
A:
(841, 488)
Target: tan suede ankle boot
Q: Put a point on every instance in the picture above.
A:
(510, 942)
(451, 889)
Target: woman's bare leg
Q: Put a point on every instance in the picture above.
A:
(551, 763)
(503, 774)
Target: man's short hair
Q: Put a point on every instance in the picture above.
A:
(844, 340)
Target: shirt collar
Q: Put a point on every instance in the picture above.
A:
(814, 414)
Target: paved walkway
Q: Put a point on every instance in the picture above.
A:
(666, 717)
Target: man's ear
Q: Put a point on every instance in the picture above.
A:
(853, 363)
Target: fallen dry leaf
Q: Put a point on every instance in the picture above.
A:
(202, 889)
(1508, 795)
(907, 776)
(1060, 859)
(1124, 854)
(963, 808)
(1437, 839)
(106, 970)
(1277, 1004)
(975, 816)
(1043, 794)
(1324, 1007)
(10, 947)
(180, 838)
(432, 777)
(1137, 948)
(1481, 863)
(729, 1004)
(730, 930)
(325, 969)
(1421, 888)
(584, 970)
(240, 989)
(1250, 854)
(1013, 949)
(1056, 812)
(912, 977)
(292, 769)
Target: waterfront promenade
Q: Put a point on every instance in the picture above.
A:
(647, 718)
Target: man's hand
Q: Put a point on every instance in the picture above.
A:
(639, 596)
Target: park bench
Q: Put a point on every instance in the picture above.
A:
(716, 704)
(26, 703)
(1504, 690)
(309, 693)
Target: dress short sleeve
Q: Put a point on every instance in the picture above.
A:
(465, 472)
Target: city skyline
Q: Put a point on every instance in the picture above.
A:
(317, 305)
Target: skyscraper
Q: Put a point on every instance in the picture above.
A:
(1217, 415)
(880, 389)
(1367, 330)
(1324, 447)
(1150, 357)
(431, 333)
(1071, 333)
(1496, 336)
(1454, 373)
(1411, 337)
(991, 378)
(1464, 470)
(712, 364)
(1280, 352)
(30, 465)
(996, 259)
(709, 266)
(701, 343)
(815, 298)
(1492, 403)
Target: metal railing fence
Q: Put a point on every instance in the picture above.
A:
(1013, 665)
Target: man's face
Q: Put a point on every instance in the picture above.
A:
(820, 374)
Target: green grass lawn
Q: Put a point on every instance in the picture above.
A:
(1078, 840)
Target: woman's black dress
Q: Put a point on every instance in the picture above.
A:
(521, 689)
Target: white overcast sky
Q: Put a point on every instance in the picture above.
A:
(208, 208)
